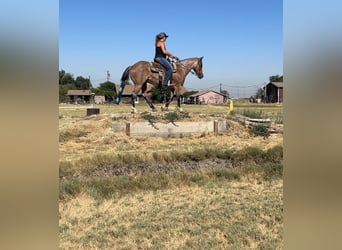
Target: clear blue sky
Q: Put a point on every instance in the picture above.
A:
(241, 41)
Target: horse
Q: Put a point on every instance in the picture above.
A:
(141, 74)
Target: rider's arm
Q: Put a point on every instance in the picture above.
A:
(162, 46)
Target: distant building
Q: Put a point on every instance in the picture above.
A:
(207, 97)
(99, 99)
(77, 96)
(274, 92)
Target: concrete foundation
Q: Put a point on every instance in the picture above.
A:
(176, 129)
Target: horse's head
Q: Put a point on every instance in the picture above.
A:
(197, 67)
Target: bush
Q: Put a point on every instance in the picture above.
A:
(261, 130)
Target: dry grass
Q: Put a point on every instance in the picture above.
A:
(223, 215)
(197, 210)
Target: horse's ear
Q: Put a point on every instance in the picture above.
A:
(202, 57)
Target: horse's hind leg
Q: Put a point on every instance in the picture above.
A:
(134, 97)
(147, 97)
(179, 108)
(149, 102)
(168, 99)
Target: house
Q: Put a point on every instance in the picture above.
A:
(274, 92)
(207, 97)
(126, 95)
(99, 99)
(79, 96)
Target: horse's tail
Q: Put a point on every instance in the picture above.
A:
(124, 78)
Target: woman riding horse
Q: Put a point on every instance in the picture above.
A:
(141, 74)
(160, 56)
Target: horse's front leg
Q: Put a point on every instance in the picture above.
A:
(179, 108)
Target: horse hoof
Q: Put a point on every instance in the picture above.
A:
(133, 110)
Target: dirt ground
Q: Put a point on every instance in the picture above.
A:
(94, 134)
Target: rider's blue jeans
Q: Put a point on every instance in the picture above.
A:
(167, 67)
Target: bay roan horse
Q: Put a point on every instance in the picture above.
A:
(141, 74)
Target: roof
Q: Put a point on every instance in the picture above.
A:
(199, 93)
(79, 92)
(277, 84)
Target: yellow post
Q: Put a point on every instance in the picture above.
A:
(231, 106)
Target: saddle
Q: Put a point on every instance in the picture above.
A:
(158, 68)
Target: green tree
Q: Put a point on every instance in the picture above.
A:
(63, 90)
(107, 89)
(157, 94)
(66, 82)
(276, 78)
(187, 93)
(82, 83)
(65, 78)
(260, 93)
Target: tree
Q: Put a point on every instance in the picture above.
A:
(66, 82)
(107, 89)
(225, 92)
(276, 78)
(65, 78)
(157, 94)
(260, 93)
(82, 83)
(187, 93)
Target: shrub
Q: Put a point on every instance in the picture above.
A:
(261, 130)
(253, 113)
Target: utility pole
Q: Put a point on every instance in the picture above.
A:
(220, 87)
(108, 75)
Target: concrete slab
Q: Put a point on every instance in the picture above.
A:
(176, 129)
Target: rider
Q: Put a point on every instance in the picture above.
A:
(160, 56)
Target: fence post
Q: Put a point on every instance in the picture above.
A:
(215, 127)
(128, 129)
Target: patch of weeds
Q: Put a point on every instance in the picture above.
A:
(275, 154)
(64, 136)
(227, 174)
(260, 130)
(183, 115)
(253, 113)
(278, 120)
(119, 118)
(272, 171)
(171, 116)
(69, 188)
(264, 172)
(149, 117)
(248, 155)
(71, 134)
(66, 169)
